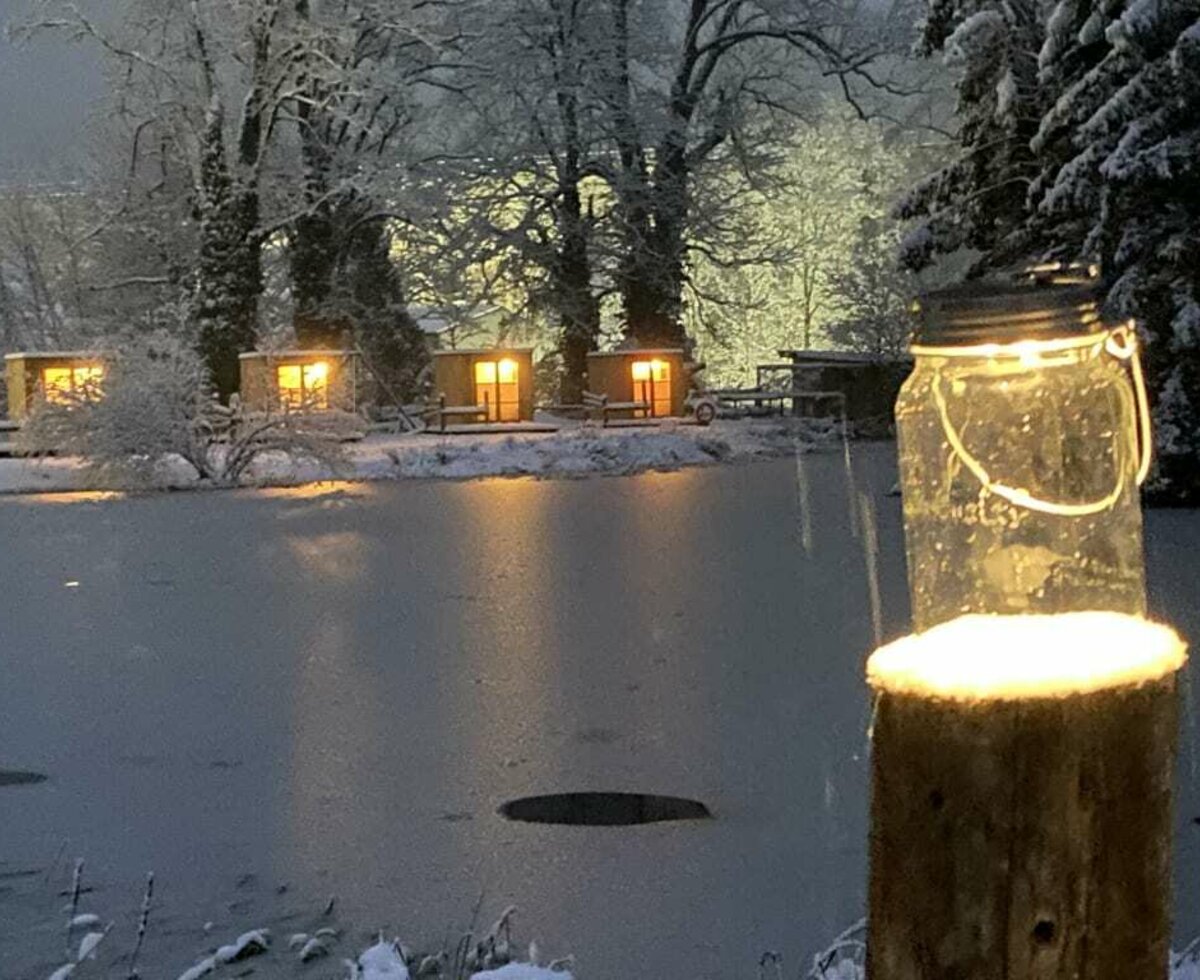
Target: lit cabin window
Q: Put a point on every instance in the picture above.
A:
(62, 385)
(652, 385)
(497, 387)
(303, 386)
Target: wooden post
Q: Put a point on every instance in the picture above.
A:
(1022, 836)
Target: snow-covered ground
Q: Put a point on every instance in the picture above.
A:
(574, 451)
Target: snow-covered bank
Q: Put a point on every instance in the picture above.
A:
(318, 943)
(572, 452)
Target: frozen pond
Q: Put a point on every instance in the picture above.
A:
(334, 690)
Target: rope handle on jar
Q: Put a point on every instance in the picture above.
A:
(1122, 344)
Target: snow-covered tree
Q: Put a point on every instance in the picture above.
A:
(1107, 156)
(528, 212)
(703, 85)
(201, 86)
(821, 214)
(978, 200)
(362, 69)
(1145, 138)
(876, 295)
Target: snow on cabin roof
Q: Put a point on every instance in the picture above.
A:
(636, 352)
(284, 354)
(57, 355)
(836, 357)
(482, 350)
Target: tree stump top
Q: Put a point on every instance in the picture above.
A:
(1011, 658)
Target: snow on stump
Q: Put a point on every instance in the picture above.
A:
(1021, 799)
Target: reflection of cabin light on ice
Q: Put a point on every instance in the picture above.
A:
(1027, 656)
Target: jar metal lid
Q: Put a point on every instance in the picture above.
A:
(990, 312)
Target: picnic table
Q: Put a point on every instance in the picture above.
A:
(443, 412)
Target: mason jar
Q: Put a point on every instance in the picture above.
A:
(1023, 435)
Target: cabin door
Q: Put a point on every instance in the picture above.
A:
(652, 385)
(497, 387)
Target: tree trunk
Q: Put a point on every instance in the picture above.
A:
(652, 284)
(1022, 839)
(314, 242)
(579, 310)
(229, 267)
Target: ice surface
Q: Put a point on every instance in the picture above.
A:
(333, 689)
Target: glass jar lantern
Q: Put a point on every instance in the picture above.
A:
(1023, 434)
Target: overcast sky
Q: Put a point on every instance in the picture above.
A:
(46, 89)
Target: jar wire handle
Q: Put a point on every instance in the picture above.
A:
(1122, 344)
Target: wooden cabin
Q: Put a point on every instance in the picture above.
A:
(869, 382)
(299, 380)
(654, 378)
(57, 376)
(498, 381)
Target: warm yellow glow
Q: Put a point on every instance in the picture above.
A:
(87, 376)
(339, 491)
(315, 374)
(62, 384)
(56, 384)
(303, 385)
(496, 387)
(975, 658)
(71, 496)
(652, 384)
(1027, 351)
(289, 378)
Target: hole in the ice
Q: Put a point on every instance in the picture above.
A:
(18, 777)
(603, 809)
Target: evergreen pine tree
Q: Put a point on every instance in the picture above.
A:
(1128, 195)
(1111, 167)
(977, 201)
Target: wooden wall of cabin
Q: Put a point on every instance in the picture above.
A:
(454, 376)
(612, 375)
(15, 388)
(23, 379)
(259, 387)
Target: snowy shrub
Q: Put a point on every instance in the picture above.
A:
(155, 407)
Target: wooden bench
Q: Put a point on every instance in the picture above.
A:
(444, 411)
(599, 404)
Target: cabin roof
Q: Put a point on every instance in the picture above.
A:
(285, 354)
(482, 350)
(636, 352)
(56, 355)
(839, 358)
